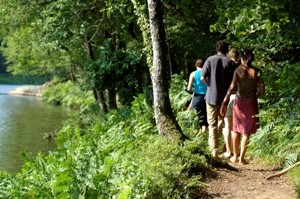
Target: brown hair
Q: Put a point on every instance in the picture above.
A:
(222, 46)
(234, 54)
(200, 63)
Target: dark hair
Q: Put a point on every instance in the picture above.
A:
(222, 46)
(248, 54)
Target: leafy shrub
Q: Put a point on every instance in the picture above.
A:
(296, 180)
(119, 155)
(280, 117)
(67, 94)
(180, 99)
(278, 140)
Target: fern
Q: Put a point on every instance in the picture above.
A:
(292, 158)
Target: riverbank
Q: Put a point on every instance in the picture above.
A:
(28, 90)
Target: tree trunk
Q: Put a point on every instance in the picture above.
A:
(99, 96)
(112, 98)
(164, 117)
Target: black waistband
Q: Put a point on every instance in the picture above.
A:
(195, 94)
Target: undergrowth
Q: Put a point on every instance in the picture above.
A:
(278, 139)
(119, 155)
(67, 94)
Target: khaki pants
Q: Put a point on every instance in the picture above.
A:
(215, 125)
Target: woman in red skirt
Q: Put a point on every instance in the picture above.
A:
(245, 108)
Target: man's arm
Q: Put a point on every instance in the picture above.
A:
(204, 72)
(203, 79)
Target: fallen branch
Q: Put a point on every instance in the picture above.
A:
(283, 171)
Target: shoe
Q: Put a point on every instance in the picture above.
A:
(226, 155)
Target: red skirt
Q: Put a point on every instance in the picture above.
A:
(245, 119)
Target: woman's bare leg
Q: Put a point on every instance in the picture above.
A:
(236, 143)
(244, 145)
(227, 135)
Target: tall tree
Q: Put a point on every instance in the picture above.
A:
(164, 117)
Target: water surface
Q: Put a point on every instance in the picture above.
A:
(24, 123)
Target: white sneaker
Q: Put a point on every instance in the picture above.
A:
(226, 155)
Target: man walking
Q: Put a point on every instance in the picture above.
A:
(217, 74)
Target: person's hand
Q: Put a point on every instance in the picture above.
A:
(190, 92)
(223, 109)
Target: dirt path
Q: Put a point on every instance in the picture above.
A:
(249, 183)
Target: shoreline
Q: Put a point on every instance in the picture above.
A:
(27, 90)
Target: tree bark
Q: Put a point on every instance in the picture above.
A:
(98, 94)
(112, 98)
(164, 117)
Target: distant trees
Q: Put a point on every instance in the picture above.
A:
(86, 42)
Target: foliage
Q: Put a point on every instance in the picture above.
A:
(6, 78)
(23, 41)
(269, 27)
(280, 116)
(119, 155)
(69, 39)
(180, 100)
(67, 94)
(295, 180)
(118, 68)
(58, 38)
(188, 33)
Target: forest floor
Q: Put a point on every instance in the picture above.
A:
(249, 182)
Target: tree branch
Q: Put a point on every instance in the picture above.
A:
(283, 171)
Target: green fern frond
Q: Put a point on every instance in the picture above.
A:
(291, 159)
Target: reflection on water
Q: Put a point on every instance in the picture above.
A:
(24, 121)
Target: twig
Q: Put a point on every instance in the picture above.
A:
(283, 171)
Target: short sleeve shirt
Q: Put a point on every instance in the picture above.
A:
(218, 70)
(199, 86)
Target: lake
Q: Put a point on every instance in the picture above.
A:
(25, 121)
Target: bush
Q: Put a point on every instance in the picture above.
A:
(67, 94)
(119, 155)
(278, 139)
